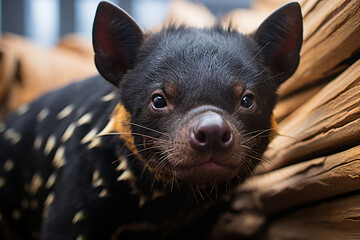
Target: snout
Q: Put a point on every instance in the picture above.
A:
(207, 149)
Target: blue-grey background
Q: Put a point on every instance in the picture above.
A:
(45, 21)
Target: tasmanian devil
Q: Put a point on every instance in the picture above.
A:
(155, 153)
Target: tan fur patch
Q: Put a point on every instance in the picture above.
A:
(274, 128)
(120, 123)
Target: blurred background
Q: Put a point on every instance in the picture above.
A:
(45, 21)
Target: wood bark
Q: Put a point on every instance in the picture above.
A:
(331, 37)
(328, 122)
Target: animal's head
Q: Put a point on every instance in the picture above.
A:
(200, 100)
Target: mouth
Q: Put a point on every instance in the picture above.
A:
(209, 171)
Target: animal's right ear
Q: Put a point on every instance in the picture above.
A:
(116, 40)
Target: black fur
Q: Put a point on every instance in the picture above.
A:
(65, 175)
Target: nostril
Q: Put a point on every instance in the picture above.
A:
(201, 136)
(226, 136)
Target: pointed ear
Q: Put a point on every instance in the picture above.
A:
(116, 39)
(280, 37)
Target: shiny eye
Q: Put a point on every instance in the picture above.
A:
(158, 101)
(247, 101)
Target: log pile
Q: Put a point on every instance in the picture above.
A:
(28, 71)
(308, 185)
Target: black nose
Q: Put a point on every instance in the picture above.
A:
(211, 132)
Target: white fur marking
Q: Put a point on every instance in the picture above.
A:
(37, 143)
(16, 214)
(68, 132)
(50, 144)
(108, 97)
(78, 217)
(65, 112)
(2, 182)
(90, 136)
(51, 180)
(35, 184)
(59, 158)
(126, 175)
(8, 165)
(122, 166)
(84, 119)
(42, 114)
(22, 109)
(12, 136)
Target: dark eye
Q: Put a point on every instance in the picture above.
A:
(158, 101)
(247, 101)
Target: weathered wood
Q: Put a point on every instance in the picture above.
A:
(245, 21)
(328, 220)
(328, 122)
(334, 39)
(287, 188)
(305, 182)
(37, 69)
(288, 105)
(188, 14)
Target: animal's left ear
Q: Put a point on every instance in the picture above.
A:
(280, 36)
(116, 40)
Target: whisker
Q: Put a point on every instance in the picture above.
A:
(147, 128)
(252, 59)
(131, 133)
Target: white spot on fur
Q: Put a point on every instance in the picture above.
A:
(108, 97)
(65, 112)
(78, 217)
(142, 200)
(37, 143)
(22, 109)
(34, 204)
(90, 136)
(49, 200)
(50, 144)
(2, 182)
(35, 184)
(59, 158)
(125, 176)
(98, 183)
(84, 119)
(80, 237)
(51, 180)
(103, 193)
(95, 143)
(122, 166)
(8, 165)
(42, 114)
(157, 194)
(24, 203)
(96, 175)
(68, 132)
(12, 136)
(16, 215)
(2, 127)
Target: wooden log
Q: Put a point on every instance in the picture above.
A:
(328, 44)
(288, 105)
(187, 13)
(303, 183)
(244, 20)
(288, 188)
(328, 220)
(328, 122)
(37, 69)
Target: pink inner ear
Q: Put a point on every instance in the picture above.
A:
(102, 34)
